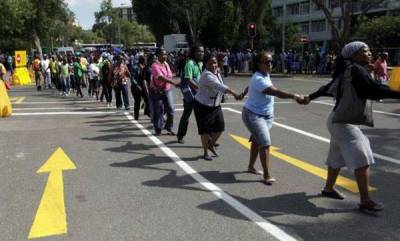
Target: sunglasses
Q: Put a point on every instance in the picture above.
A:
(268, 62)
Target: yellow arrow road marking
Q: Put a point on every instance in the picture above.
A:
(50, 217)
(344, 182)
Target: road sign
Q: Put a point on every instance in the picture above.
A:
(20, 58)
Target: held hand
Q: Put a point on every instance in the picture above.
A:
(237, 97)
(299, 99)
(306, 100)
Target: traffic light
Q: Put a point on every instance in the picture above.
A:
(252, 30)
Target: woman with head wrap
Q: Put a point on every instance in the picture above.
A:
(348, 145)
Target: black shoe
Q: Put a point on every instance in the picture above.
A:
(371, 206)
(127, 108)
(181, 141)
(333, 194)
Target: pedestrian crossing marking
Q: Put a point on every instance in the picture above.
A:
(343, 182)
(17, 100)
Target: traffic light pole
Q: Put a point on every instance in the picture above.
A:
(252, 43)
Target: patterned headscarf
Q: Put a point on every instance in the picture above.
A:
(351, 48)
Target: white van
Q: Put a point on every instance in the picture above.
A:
(65, 51)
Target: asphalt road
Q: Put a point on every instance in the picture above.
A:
(130, 185)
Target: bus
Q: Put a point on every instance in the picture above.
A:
(152, 46)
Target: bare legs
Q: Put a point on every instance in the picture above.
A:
(208, 144)
(263, 152)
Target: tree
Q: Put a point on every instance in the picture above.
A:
(380, 32)
(341, 33)
(113, 29)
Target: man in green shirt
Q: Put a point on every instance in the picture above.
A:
(189, 85)
(78, 72)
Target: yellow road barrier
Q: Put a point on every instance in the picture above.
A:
(394, 81)
(5, 104)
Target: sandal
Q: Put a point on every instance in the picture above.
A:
(207, 158)
(371, 206)
(333, 194)
(269, 181)
(211, 148)
(254, 171)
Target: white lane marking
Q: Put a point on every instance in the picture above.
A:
(61, 108)
(320, 138)
(267, 226)
(375, 111)
(242, 103)
(56, 102)
(64, 113)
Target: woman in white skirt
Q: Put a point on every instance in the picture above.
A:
(349, 146)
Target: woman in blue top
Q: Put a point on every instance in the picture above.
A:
(258, 112)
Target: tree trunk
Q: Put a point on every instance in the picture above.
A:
(36, 42)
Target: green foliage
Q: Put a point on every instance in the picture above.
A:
(215, 23)
(380, 31)
(116, 30)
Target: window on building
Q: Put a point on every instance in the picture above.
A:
(293, 9)
(315, 7)
(304, 27)
(318, 26)
(334, 4)
(277, 12)
(304, 8)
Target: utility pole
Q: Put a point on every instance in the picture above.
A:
(283, 33)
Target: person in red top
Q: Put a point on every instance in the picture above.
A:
(161, 93)
(380, 68)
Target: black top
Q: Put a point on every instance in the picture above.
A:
(365, 86)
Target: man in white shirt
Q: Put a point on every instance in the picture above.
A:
(46, 72)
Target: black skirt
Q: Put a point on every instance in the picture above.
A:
(209, 119)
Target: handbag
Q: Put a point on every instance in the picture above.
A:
(351, 109)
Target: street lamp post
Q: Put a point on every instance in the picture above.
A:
(283, 33)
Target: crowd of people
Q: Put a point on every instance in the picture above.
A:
(355, 80)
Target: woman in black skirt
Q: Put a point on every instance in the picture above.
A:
(207, 106)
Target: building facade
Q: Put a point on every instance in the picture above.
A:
(126, 12)
(311, 20)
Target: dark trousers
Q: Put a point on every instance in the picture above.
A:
(137, 96)
(78, 82)
(184, 122)
(37, 80)
(121, 89)
(163, 102)
(106, 92)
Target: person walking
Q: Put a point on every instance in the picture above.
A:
(380, 68)
(352, 86)
(161, 94)
(207, 106)
(64, 76)
(78, 74)
(36, 69)
(46, 72)
(94, 82)
(189, 85)
(105, 82)
(139, 89)
(119, 76)
(258, 113)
